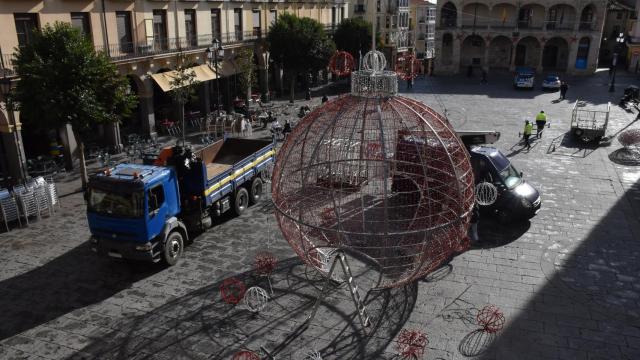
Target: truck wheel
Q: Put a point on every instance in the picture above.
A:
(173, 248)
(256, 190)
(241, 202)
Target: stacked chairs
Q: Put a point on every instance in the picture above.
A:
(31, 200)
(9, 208)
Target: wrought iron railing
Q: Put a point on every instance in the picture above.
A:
(6, 65)
(556, 25)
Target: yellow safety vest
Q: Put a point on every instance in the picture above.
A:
(528, 128)
(541, 117)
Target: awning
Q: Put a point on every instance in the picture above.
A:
(202, 73)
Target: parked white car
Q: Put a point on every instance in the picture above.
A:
(551, 82)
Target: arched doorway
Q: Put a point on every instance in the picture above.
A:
(555, 54)
(527, 52)
(446, 56)
(475, 15)
(588, 18)
(448, 15)
(531, 16)
(472, 52)
(582, 57)
(561, 17)
(500, 52)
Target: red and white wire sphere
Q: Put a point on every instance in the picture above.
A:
(491, 319)
(385, 177)
(407, 66)
(411, 343)
(629, 138)
(245, 355)
(265, 263)
(232, 290)
(342, 63)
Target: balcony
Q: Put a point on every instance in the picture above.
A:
(359, 9)
(479, 24)
(587, 26)
(6, 66)
(556, 26)
(524, 24)
(503, 25)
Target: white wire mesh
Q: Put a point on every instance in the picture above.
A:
(255, 299)
(486, 193)
(312, 355)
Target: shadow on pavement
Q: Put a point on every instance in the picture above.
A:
(494, 234)
(202, 325)
(72, 281)
(567, 145)
(589, 305)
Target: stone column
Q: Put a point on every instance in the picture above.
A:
(263, 75)
(571, 61)
(539, 65)
(485, 61)
(71, 151)
(147, 117)
(16, 159)
(204, 97)
(512, 63)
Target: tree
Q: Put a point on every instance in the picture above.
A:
(300, 45)
(62, 80)
(354, 36)
(183, 88)
(247, 69)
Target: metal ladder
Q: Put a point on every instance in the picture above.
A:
(353, 290)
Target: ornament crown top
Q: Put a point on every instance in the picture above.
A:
(372, 80)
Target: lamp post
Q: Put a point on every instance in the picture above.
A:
(614, 63)
(213, 53)
(20, 170)
(265, 56)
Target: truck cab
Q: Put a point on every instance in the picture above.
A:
(517, 199)
(132, 213)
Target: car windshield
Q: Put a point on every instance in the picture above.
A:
(552, 78)
(525, 76)
(116, 204)
(510, 177)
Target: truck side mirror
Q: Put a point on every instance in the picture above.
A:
(521, 174)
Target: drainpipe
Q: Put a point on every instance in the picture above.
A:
(105, 35)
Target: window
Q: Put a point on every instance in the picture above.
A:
(80, 21)
(160, 29)
(256, 23)
(273, 16)
(333, 16)
(237, 21)
(116, 204)
(215, 24)
(378, 6)
(26, 24)
(156, 198)
(190, 27)
(125, 38)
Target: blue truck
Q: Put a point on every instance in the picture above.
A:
(150, 212)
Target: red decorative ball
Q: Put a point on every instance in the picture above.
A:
(266, 262)
(342, 63)
(407, 66)
(411, 343)
(629, 137)
(232, 290)
(491, 319)
(245, 355)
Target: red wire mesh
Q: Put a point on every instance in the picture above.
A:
(266, 262)
(385, 177)
(629, 137)
(232, 290)
(245, 355)
(341, 63)
(491, 319)
(407, 66)
(411, 343)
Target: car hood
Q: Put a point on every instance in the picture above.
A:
(527, 191)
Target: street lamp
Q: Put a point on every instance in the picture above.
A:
(5, 90)
(614, 63)
(265, 56)
(213, 53)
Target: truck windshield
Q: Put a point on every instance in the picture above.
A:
(116, 204)
(510, 177)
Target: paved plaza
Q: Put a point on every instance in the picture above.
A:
(567, 281)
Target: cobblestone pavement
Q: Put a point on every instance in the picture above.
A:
(567, 280)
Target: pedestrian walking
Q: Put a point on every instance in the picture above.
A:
(541, 121)
(528, 128)
(287, 128)
(473, 229)
(563, 90)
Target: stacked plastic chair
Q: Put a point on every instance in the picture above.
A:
(9, 208)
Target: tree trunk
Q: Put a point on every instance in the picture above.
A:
(292, 86)
(84, 178)
(181, 112)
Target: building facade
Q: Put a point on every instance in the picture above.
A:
(423, 23)
(144, 38)
(619, 20)
(391, 21)
(544, 35)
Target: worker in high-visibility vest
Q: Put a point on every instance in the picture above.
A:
(541, 121)
(528, 128)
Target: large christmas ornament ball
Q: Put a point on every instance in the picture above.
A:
(384, 178)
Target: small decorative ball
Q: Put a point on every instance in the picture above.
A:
(245, 355)
(486, 193)
(256, 299)
(491, 319)
(313, 355)
(411, 343)
(629, 137)
(232, 290)
(266, 263)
